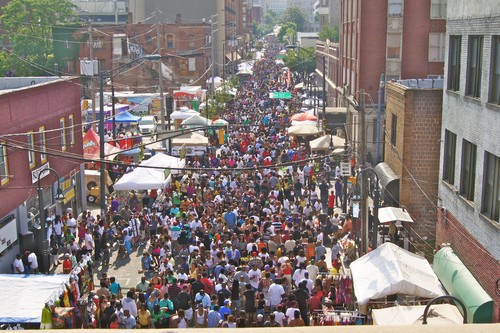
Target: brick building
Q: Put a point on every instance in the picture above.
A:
(469, 173)
(413, 127)
(40, 128)
(381, 37)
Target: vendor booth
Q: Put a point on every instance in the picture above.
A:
(392, 271)
(150, 174)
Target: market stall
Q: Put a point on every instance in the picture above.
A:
(390, 270)
(440, 314)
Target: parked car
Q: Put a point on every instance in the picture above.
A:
(148, 125)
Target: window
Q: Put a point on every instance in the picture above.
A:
(71, 125)
(393, 46)
(191, 39)
(438, 9)
(394, 127)
(495, 71)
(436, 47)
(149, 39)
(62, 126)
(454, 63)
(450, 148)
(31, 150)
(395, 8)
(43, 144)
(192, 64)
(468, 175)
(170, 42)
(491, 187)
(474, 60)
(4, 167)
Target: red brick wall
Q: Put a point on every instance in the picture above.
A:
(474, 256)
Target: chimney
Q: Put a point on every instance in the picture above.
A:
(178, 19)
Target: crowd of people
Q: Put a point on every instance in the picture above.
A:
(237, 239)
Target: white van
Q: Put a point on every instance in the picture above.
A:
(148, 125)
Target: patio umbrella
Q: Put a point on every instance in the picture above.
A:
(245, 72)
(303, 130)
(303, 122)
(323, 142)
(303, 116)
(220, 122)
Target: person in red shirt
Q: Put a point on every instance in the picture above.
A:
(209, 286)
(331, 203)
(67, 264)
(314, 302)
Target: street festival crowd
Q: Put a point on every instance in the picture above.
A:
(238, 239)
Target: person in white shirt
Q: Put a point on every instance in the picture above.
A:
(254, 276)
(33, 261)
(18, 264)
(275, 291)
(279, 315)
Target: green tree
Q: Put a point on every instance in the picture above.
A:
(302, 60)
(284, 31)
(297, 16)
(29, 26)
(330, 33)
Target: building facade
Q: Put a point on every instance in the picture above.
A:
(40, 129)
(412, 148)
(469, 174)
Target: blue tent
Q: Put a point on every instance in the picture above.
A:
(125, 117)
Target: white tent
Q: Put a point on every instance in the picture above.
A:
(438, 314)
(24, 296)
(393, 214)
(181, 114)
(390, 270)
(144, 178)
(196, 120)
(303, 130)
(323, 142)
(190, 139)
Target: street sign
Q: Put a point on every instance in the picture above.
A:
(280, 56)
(280, 94)
(345, 169)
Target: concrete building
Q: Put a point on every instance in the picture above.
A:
(306, 6)
(103, 12)
(328, 12)
(277, 6)
(412, 148)
(40, 129)
(469, 176)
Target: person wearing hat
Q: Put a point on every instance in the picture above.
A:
(67, 264)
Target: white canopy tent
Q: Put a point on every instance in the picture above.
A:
(196, 120)
(144, 178)
(323, 142)
(190, 139)
(183, 114)
(393, 214)
(390, 270)
(24, 296)
(439, 314)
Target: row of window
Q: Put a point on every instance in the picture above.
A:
(438, 9)
(490, 201)
(37, 143)
(436, 46)
(474, 66)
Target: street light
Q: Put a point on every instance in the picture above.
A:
(43, 246)
(102, 75)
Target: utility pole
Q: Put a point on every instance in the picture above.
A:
(92, 91)
(324, 95)
(364, 187)
(160, 73)
(347, 157)
(212, 44)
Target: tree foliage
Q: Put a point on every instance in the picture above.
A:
(286, 32)
(330, 33)
(301, 60)
(28, 24)
(297, 16)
